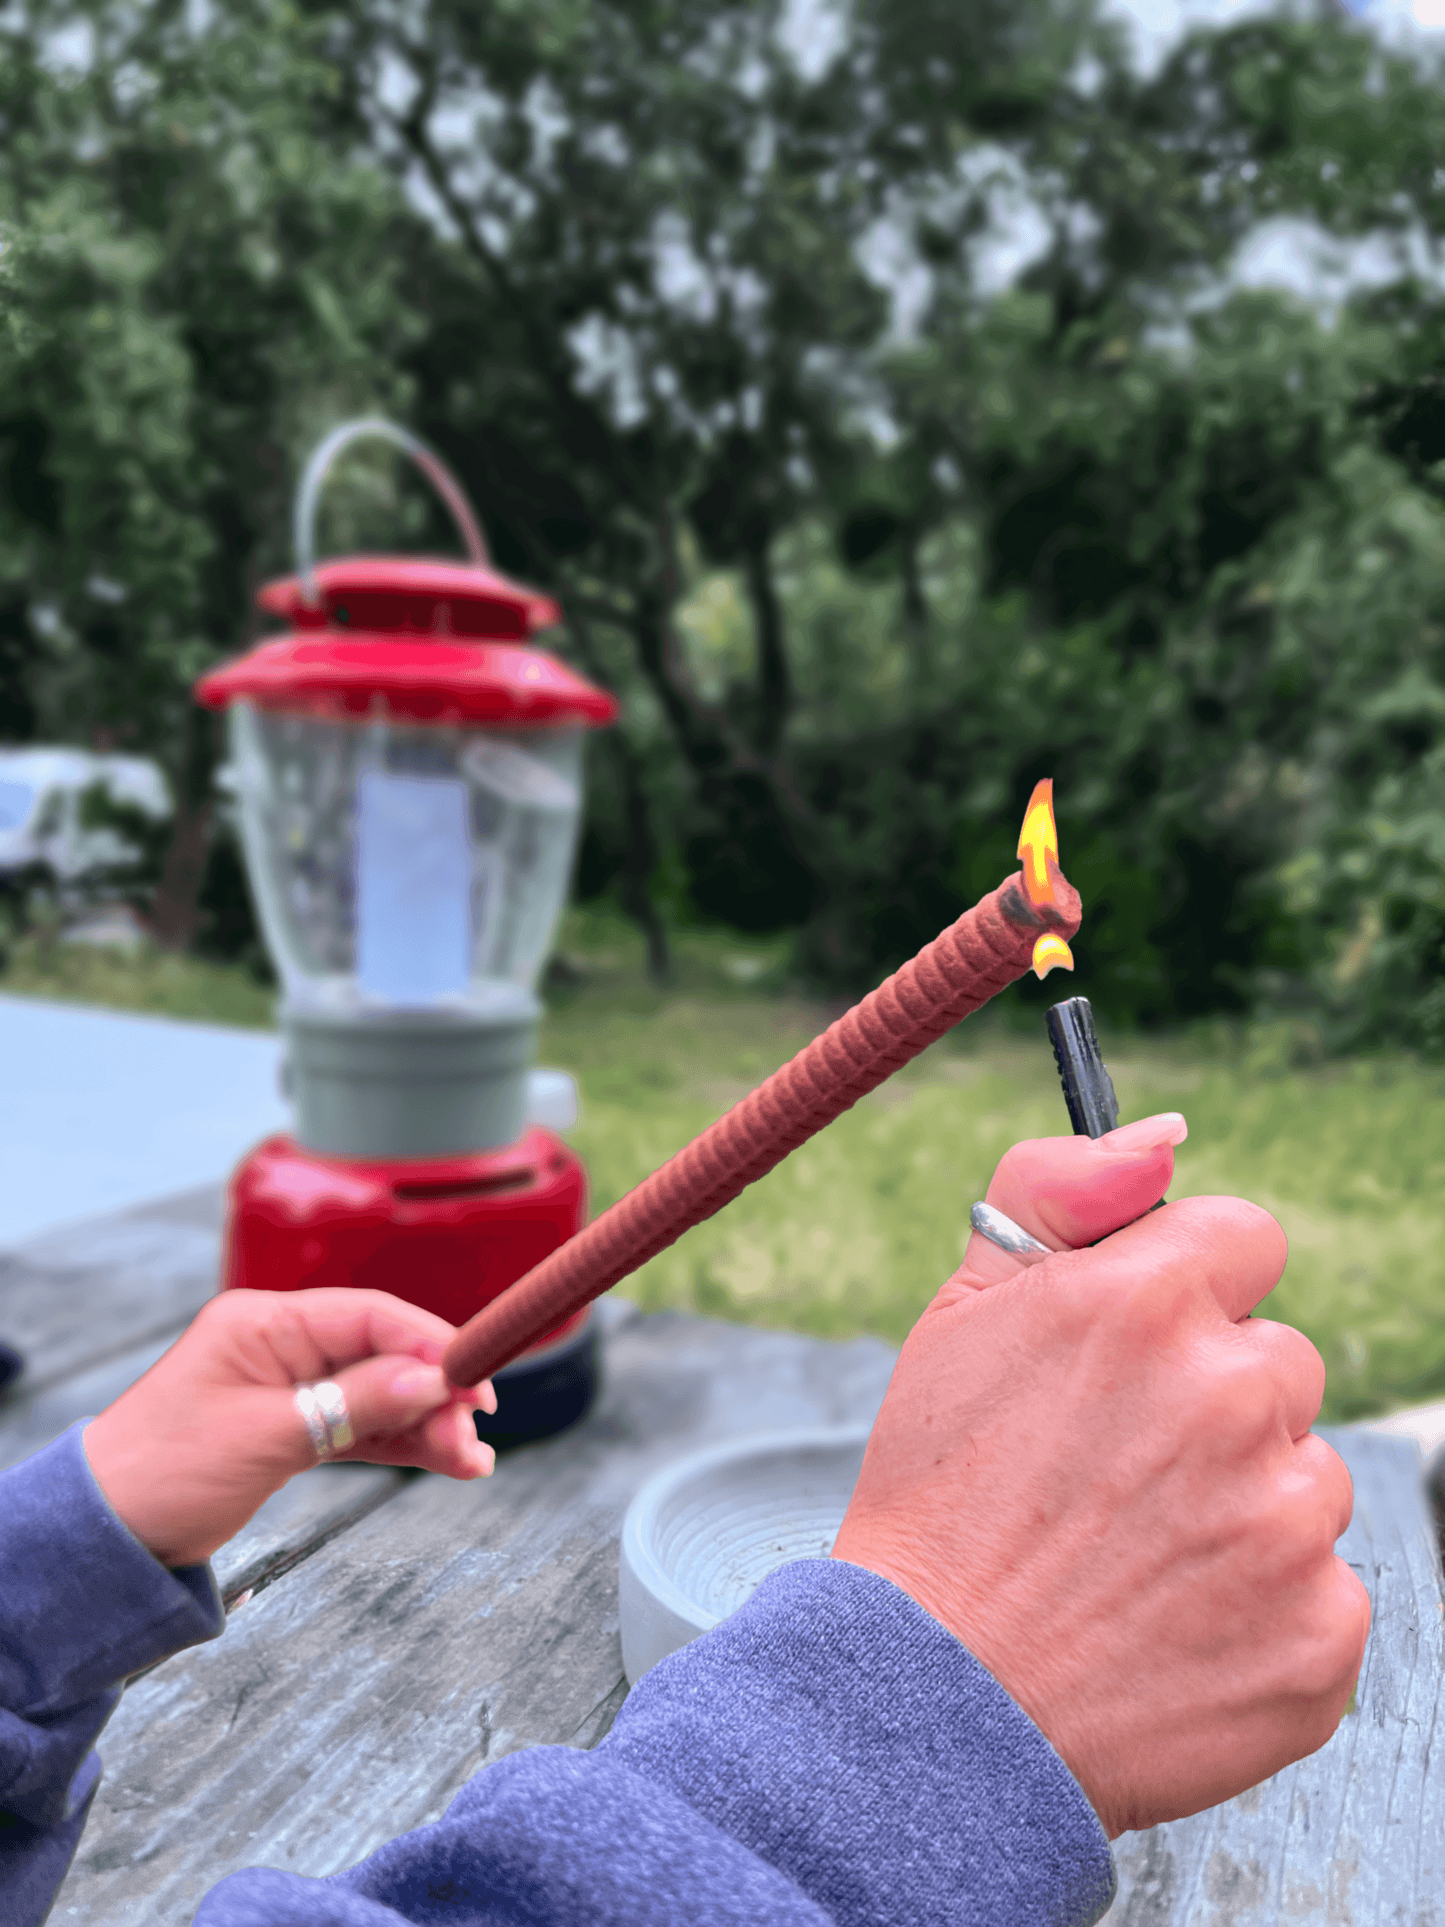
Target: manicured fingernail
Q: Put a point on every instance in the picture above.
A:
(421, 1381)
(1147, 1133)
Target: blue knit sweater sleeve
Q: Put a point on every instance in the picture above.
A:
(82, 1606)
(828, 1755)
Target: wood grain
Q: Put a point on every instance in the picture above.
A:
(76, 1297)
(33, 1419)
(297, 1521)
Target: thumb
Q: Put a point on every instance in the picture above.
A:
(1071, 1191)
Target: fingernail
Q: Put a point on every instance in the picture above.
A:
(488, 1460)
(487, 1396)
(421, 1381)
(1147, 1133)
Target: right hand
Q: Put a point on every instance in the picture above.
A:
(1098, 1473)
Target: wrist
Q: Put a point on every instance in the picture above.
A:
(1006, 1659)
(128, 1484)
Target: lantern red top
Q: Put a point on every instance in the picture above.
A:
(387, 593)
(412, 639)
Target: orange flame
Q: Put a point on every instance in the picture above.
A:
(1051, 953)
(1038, 841)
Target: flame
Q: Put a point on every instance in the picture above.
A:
(1038, 841)
(1051, 953)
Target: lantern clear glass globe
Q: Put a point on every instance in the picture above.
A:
(406, 865)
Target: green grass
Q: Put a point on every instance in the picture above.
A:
(152, 980)
(857, 1229)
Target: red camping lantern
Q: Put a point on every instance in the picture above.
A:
(409, 778)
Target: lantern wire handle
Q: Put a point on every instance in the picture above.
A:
(430, 464)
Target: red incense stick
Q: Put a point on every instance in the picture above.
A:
(988, 948)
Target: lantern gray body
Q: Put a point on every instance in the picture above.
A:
(412, 1084)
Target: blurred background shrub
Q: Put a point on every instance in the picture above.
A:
(878, 396)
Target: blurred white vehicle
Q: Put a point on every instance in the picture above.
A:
(45, 838)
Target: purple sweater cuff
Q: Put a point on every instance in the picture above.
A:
(849, 1740)
(83, 1605)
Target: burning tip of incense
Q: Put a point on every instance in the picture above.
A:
(1051, 953)
(1038, 842)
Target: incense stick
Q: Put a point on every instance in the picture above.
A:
(988, 948)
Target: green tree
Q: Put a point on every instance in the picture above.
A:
(194, 283)
(661, 228)
(863, 567)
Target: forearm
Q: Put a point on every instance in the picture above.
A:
(828, 1755)
(82, 1606)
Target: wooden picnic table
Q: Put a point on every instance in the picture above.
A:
(392, 1633)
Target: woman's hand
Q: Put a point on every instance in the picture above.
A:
(188, 1454)
(1099, 1473)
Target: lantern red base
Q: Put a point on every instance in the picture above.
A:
(447, 1234)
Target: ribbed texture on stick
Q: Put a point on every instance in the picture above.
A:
(989, 947)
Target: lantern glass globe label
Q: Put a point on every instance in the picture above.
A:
(406, 864)
(414, 887)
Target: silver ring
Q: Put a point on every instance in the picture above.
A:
(1008, 1236)
(323, 1409)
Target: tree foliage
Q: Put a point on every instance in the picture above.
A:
(868, 532)
(192, 281)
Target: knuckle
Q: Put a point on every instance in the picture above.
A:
(1295, 1526)
(1318, 1650)
(1314, 1533)
(1075, 1300)
(1238, 1398)
(1305, 1522)
(1019, 1160)
(1301, 1359)
(1290, 1356)
(218, 1313)
(1337, 1625)
(1333, 1488)
(1255, 1220)
(1240, 1222)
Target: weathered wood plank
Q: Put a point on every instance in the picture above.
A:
(298, 1520)
(454, 1625)
(1356, 1834)
(77, 1297)
(351, 1699)
(35, 1418)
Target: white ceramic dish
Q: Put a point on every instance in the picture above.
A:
(701, 1535)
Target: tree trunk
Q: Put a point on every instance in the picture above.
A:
(634, 886)
(175, 911)
(634, 883)
(700, 729)
(713, 749)
(775, 681)
(916, 612)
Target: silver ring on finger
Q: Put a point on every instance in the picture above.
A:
(323, 1411)
(1001, 1230)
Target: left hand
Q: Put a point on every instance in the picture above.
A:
(188, 1454)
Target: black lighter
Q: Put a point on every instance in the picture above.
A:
(1088, 1088)
(1093, 1110)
